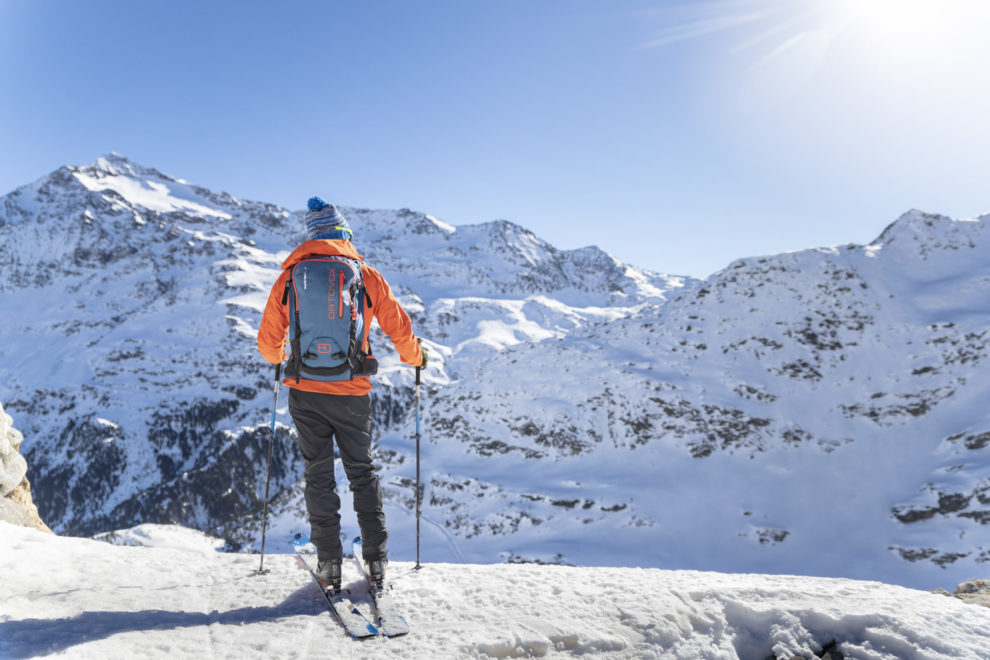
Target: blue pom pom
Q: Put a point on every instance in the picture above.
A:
(316, 203)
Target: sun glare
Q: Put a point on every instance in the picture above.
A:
(900, 18)
(900, 25)
(880, 24)
(892, 42)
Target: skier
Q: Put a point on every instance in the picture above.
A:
(329, 381)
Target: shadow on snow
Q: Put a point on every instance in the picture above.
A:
(25, 638)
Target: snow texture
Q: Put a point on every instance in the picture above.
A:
(178, 598)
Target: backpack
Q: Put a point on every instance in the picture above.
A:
(326, 298)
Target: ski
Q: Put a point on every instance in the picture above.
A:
(388, 619)
(350, 617)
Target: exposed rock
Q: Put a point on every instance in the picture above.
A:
(975, 592)
(829, 651)
(16, 505)
(13, 467)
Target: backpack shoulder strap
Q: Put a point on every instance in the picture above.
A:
(288, 285)
(295, 344)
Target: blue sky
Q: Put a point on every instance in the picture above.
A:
(675, 135)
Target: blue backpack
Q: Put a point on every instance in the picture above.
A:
(326, 300)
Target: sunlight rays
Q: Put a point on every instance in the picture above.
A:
(885, 48)
(700, 28)
(770, 28)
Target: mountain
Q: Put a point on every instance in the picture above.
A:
(817, 412)
(178, 598)
(137, 378)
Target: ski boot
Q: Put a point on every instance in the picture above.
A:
(329, 572)
(376, 574)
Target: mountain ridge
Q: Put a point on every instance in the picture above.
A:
(553, 368)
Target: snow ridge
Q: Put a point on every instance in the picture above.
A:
(130, 601)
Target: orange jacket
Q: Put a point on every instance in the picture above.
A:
(384, 307)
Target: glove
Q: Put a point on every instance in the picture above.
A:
(422, 350)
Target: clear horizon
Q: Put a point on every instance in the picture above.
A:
(678, 136)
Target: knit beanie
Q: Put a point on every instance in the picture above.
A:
(323, 220)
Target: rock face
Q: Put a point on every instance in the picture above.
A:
(974, 592)
(16, 505)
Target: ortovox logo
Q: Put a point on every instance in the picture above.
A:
(324, 348)
(332, 296)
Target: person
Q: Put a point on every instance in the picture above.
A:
(327, 407)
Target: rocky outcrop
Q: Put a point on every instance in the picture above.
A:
(16, 505)
(974, 592)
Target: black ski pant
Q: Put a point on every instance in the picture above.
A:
(320, 420)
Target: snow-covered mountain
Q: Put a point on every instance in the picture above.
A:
(131, 303)
(816, 412)
(180, 599)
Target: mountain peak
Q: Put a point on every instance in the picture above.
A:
(918, 223)
(115, 164)
(146, 187)
(114, 157)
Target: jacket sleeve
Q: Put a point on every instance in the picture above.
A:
(391, 317)
(274, 323)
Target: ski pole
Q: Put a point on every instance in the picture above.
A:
(268, 473)
(418, 491)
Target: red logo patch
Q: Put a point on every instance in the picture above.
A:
(324, 348)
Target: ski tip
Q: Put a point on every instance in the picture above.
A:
(364, 634)
(369, 631)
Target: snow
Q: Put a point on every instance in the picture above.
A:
(175, 597)
(150, 194)
(171, 537)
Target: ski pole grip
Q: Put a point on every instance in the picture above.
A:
(418, 371)
(278, 372)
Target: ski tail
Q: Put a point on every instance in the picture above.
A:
(388, 618)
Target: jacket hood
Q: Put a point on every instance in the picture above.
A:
(337, 247)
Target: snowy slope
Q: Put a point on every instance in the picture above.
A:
(137, 377)
(817, 412)
(80, 598)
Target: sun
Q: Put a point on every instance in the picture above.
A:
(878, 47)
(903, 26)
(899, 19)
(769, 28)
